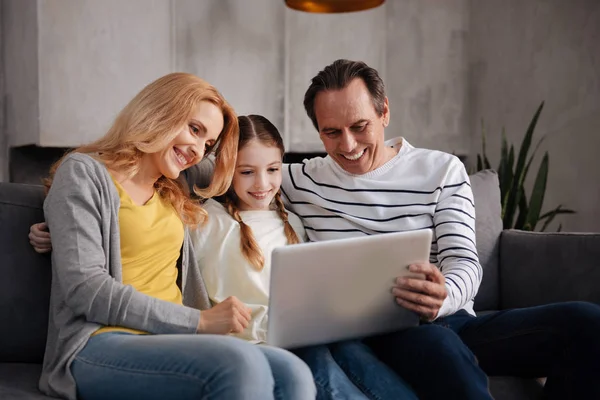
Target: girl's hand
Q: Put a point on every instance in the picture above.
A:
(229, 316)
(39, 237)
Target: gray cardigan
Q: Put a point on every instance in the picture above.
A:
(82, 212)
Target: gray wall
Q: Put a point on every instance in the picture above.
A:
(74, 63)
(237, 45)
(523, 52)
(3, 139)
(419, 47)
(446, 64)
(427, 72)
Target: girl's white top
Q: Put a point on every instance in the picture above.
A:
(226, 271)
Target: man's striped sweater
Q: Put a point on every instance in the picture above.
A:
(417, 189)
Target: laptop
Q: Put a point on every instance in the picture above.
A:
(323, 292)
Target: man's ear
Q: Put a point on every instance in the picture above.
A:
(386, 112)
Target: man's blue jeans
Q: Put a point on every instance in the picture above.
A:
(452, 357)
(350, 371)
(125, 366)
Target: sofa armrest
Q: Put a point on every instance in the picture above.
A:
(539, 268)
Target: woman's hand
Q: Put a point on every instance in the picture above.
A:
(229, 316)
(39, 237)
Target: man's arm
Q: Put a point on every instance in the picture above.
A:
(454, 222)
(450, 287)
(39, 237)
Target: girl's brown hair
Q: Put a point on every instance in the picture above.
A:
(257, 127)
(150, 122)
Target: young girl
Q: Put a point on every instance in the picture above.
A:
(120, 326)
(244, 226)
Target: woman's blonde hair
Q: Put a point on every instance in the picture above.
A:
(150, 122)
(257, 127)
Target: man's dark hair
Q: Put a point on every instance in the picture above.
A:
(337, 76)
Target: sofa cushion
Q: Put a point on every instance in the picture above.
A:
(548, 267)
(488, 227)
(20, 382)
(25, 283)
(510, 388)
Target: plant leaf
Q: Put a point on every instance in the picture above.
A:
(538, 192)
(511, 158)
(523, 209)
(558, 210)
(486, 163)
(506, 181)
(549, 216)
(532, 156)
(504, 148)
(506, 184)
(513, 199)
(524, 149)
(502, 165)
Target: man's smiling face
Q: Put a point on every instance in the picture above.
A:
(350, 128)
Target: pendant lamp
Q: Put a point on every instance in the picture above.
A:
(332, 6)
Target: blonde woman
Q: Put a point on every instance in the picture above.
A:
(120, 325)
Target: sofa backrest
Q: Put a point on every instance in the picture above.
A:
(488, 228)
(24, 276)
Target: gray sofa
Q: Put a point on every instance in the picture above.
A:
(520, 269)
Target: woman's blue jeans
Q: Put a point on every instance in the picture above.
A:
(125, 366)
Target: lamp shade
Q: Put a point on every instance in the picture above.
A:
(332, 6)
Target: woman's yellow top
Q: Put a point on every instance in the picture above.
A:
(151, 239)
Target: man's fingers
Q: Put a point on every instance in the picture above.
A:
(425, 312)
(417, 298)
(422, 286)
(45, 240)
(41, 234)
(40, 229)
(40, 250)
(431, 272)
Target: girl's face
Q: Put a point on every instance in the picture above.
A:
(194, 139)
(257, 175)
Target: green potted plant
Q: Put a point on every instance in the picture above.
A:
(515, 202)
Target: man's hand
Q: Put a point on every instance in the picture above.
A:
(39, 237)
(425, 297)
(229, 316)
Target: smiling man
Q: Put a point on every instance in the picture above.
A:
(367, 186)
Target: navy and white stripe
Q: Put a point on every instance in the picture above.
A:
(417, 189)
